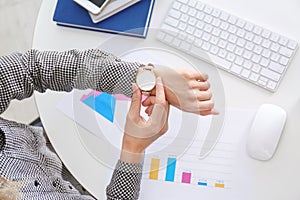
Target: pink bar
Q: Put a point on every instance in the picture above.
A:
(122, 97)
(95, 93)
(86, 96)
(186, 177)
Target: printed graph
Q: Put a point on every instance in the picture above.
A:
(213, 172)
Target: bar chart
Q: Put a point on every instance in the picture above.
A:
(213, 172)
(185, 175)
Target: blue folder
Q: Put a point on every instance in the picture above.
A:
(133, 21)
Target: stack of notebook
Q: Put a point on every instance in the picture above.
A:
(131, 17)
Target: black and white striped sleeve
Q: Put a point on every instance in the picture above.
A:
(125, 182)
(21, 74)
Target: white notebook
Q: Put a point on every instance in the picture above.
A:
(113, 7)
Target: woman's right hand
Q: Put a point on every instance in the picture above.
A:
(140, 133)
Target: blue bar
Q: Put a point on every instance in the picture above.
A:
(202, 183)
(170, 175)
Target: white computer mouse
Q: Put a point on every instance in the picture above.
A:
(265, 131)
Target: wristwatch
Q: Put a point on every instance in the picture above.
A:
(145, 78)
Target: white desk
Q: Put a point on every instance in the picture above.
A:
(282, 172)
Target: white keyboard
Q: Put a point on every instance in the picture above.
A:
(237, 46)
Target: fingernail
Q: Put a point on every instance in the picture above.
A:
(134, 87)
(158, 80)
(216, 112)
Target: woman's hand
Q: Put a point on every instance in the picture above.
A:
(186, 89)
(139, 133)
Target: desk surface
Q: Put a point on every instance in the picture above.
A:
(282, 172)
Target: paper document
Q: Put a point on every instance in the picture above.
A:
(173, 174)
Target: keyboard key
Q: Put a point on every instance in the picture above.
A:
(272, 85)
(284, 60)
(247, 64)
(192, 3)
(169, 29)
(256, 58)
(208, 19)
(266, 53)
(275, 57)
(185, 46)
(230, 47)
(274, 37)
(239, 60)
(256, 68)
(216, 22)
(184, 8)
(214, 50)
(220, 62)
(216, 13)
(232, 19)
(292, 45)
(260, 82)
(266, 33)
(176, 42)
(198, 43)
(266, 43)
(245, 73)
(171, 21)
(249, 26)
(275, 47)
(184, 17)
(168, 38)
(205, 46)
(236, 69)
(270, 74)
(249, 46)
(176, 5)
(224, 16)
(240, 23)
(200, 6)
(222, 53)
(276, 67)
(160, 35)
(283, 41)
(192, 21)
(258, 49)
(254, 77)
(175, 13)
(285, 51)
(249, 36)
(224, 35)
(230, 57)
(257, 30)
(264, 62)
(208, 9)
(257, 40)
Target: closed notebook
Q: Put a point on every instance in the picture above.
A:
(133, 21)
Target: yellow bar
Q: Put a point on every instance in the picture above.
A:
(154, 168)
(219, 185)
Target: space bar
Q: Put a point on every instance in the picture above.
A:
(219, 62)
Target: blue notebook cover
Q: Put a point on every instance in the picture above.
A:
(133, 21)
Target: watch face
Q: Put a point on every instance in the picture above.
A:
(145, 80)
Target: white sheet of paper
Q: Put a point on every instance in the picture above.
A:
(226, 165)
